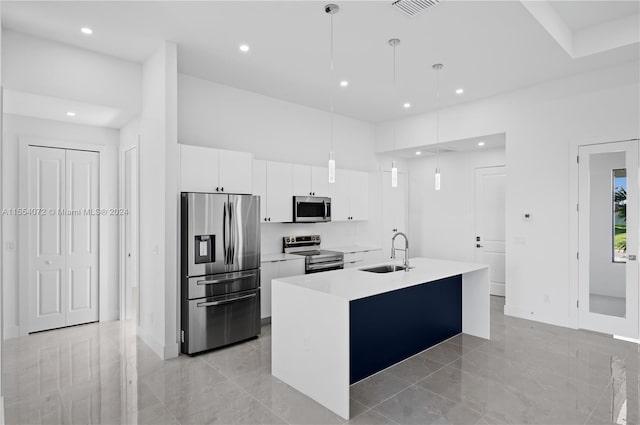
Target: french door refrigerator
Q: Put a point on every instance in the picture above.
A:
(220, 270)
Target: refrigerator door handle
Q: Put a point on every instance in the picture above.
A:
(230, 235)
(224, 234)
(214, 303)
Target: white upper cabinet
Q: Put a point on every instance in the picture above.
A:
(302, 180)
(279, 192)
(310, 181)
(213, 170)
(394, 199)
(320, 181)
(339, 192)
(350, 196)
(235, 171)
(198, 169)
(260, 185)
(359, 195)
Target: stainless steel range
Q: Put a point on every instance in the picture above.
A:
(316, 259)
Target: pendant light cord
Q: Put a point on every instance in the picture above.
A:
(331, 82)
(396, 89)
(438, 118)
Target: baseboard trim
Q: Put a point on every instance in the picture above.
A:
(11, 332)
(510, 310)
(497, 289)
(151, 342)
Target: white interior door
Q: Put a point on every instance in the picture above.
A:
(82, 235)
(47, 239)
(63, 237)
(490, 219)
(608, 238)
(131, 231)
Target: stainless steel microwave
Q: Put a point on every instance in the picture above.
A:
(311, 209)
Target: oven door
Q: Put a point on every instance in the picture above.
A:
(323, 267)
(311, 209)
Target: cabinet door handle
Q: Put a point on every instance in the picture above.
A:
(314, 194)
(217, 189)
(269, 218)
(222, 189)
(478, 245)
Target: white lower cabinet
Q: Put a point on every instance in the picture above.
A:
(274, 270)
(362, 258)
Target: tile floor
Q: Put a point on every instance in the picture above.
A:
(528, 373)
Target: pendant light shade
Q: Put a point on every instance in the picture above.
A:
(394, 174)
(332, 168)
(394, 42)
(437, 67)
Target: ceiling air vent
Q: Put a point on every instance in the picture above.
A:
(414, 7)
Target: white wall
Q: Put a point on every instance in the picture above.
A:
(18, 126)
(541, 124)
(605, 276)
(158, 296)
(215, 115)
(442, 223)
(47, 68)
(211, 114)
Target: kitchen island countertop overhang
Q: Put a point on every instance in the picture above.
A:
(316, 336)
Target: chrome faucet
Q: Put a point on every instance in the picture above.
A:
(406, 249)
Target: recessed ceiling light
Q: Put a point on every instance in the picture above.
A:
(244, 48)
(86, 30)
(418, 153)
(344, 83)
(71, 114)
(459, 91)
(407, 105)
(480, 143)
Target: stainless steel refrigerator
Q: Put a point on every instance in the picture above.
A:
(220, 270)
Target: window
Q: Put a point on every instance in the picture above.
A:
(619, 221)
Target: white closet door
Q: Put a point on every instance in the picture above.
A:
(82, 236)
(47, 242)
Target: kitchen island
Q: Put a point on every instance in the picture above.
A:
(332, 329)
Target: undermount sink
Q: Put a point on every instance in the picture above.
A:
(387, 268)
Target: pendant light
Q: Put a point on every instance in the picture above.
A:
(437, 67)
(331, 9)
(394, 42)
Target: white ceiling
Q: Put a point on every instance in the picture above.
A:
(491, 141)
(487, 47)
(579, 15)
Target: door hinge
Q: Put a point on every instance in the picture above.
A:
(182, 336)
(578, 159)
(577, 303)
(578, 207)
(577, 255)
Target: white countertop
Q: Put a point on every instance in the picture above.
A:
(353, 284)
(348, 249)
(279, 256)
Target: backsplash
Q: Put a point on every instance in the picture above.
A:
(333, 234)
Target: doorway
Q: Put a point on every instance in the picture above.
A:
(130, 233)
(63, 237)
(608, 218)
(490, 224)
